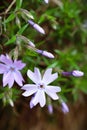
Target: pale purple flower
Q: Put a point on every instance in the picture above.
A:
(36, 26)
(41, 87)
(10, 70)
(65, 108)
(77, 73)
(45, 53)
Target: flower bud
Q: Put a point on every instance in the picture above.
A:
(65, 108)
(77, 73)
(45, 53)
(36, 26)
(50, 108)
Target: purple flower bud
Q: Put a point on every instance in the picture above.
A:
(65, 108)
(36, 26)
(45, 53)
(77, 73)
(50, 108)
(31, 43)
(46, 1)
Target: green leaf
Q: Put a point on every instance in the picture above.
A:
(19, 4)
(10, 41)
(10, 18)
(22, 29)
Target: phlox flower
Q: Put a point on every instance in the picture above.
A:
(10, 70)
(41, 87)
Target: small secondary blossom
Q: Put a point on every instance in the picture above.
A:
(41, 87)
(36, 26)
(65, 108)
(45, 53)
(10, 70)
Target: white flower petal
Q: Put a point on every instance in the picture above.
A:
(48, 77)
(8, 79)
(42, 99)
(39, 98)
(36, 76)
(52, 94)
(18, 77)
(35, 100)
(29, 87)
(31, 75)
(29, 92)
(53, 88)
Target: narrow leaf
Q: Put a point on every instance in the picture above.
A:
(10, 18)
(10, 41)
(19, 4)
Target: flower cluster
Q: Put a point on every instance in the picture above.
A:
(40, 89)
(11, 72)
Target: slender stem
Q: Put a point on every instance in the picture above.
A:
(10, 6)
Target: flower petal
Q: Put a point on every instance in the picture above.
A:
(35, 100)
(29, 87)
(6, 59)
(19, 65)
(53, 88)
(3, 68)
(48, 77)
(8, 79)
(30, 92)
(39, 98)
(36, 76)
(42, 99)
(52, 94)
(18, 77)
